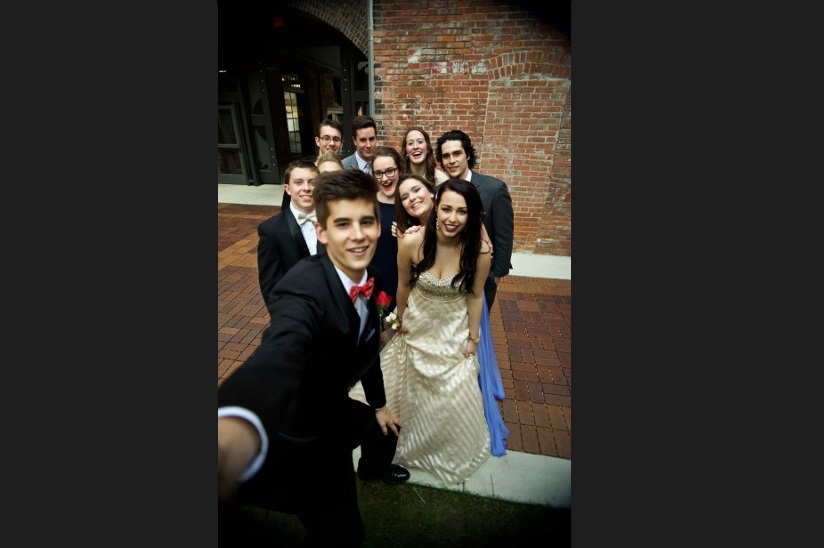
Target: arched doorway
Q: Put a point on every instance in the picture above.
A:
(281, 71)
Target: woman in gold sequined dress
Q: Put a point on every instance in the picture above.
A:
(431, 365)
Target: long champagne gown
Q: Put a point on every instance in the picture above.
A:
(432, 387)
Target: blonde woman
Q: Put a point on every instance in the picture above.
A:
(329, 162)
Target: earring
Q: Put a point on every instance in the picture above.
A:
(437, 226)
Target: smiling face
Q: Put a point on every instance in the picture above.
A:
(350, 235)
(454, 159)
(330, 140)
(300, 187)
(382, 166)
(416, 199)
(416, 147)
(452, 214)
(365, 140)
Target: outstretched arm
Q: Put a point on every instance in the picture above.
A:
(238, 443)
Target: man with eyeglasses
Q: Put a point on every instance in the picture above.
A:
(329, 137)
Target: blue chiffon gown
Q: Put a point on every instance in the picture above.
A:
(492, 389)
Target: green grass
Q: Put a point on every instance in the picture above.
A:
(408, 515)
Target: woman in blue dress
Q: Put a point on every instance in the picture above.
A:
(386, 168)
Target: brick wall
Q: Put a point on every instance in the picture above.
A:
(486, 67)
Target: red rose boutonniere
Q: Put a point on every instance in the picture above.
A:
(383, 301)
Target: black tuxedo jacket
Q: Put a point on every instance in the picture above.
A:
(298, 380)
(499, 220)
(280, 247)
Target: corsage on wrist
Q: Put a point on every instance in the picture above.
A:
(394, 321)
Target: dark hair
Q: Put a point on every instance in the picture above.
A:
(430, 154)
(294, 164)
(388, 151)
(360, 122)
(405, 220)
(348, 184)
(331, 123)
(466, 143)
(470, 236)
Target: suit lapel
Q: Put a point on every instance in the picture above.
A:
(372, 326)
(343, 303)
(370, 330)
(297, 234)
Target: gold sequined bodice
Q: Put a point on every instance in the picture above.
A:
(439, 289)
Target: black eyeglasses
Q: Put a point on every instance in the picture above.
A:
(389, 173)
(327, 138)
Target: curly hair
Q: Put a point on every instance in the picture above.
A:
(466, 143)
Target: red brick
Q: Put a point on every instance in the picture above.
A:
(541, 414)
(557, 420)
(530, 440)
(546, 442)
(563, 442)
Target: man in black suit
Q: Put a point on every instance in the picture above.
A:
(329, 139)
(457, 157)
(286, 424)
(289, 236)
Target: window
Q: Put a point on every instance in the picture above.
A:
(291, 88)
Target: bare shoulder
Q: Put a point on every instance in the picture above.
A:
(411, 246)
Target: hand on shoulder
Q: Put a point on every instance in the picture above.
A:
(412, 236)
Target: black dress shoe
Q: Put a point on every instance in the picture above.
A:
(397, 474)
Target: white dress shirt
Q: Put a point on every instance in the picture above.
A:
(308, 230)
(363, 165)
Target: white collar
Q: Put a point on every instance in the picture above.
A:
(361, 162)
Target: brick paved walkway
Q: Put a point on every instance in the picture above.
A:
(530, 323)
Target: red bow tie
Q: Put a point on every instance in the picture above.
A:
(365, 289)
